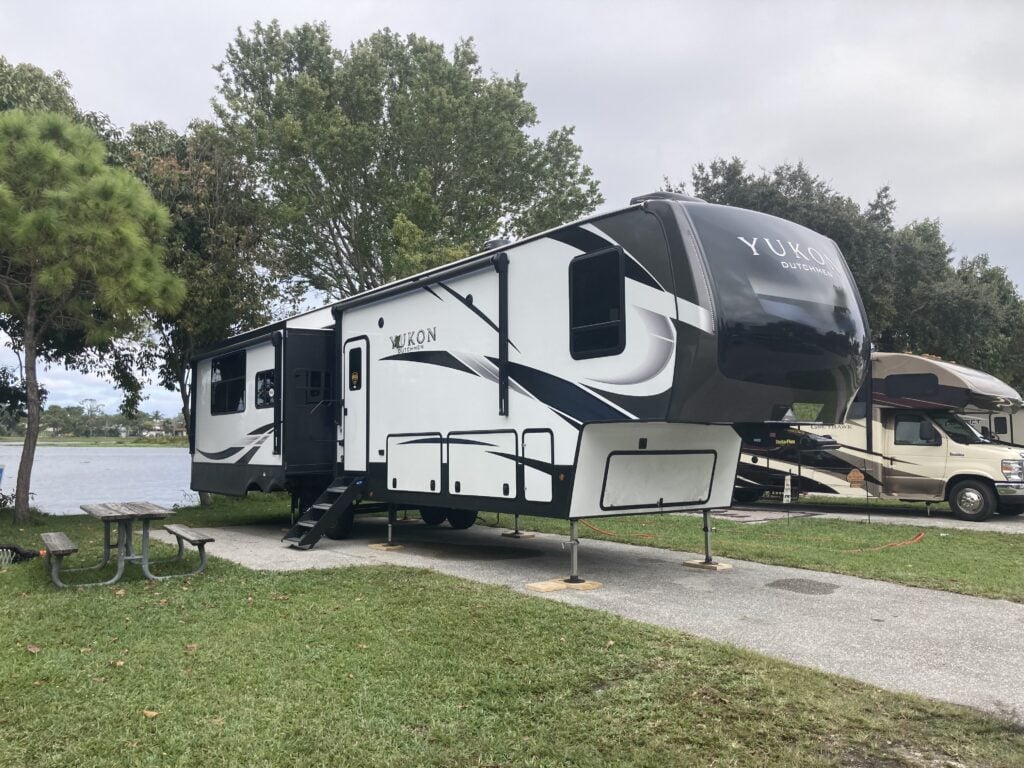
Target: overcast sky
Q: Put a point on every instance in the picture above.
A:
(926, 97)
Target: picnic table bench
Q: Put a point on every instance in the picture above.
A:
(123, 515)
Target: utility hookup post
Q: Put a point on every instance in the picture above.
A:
(787, 494)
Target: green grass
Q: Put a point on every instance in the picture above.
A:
(385, 666)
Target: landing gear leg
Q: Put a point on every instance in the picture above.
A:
(708, 563)
(517, 534)
(391, 525)
(574, 545)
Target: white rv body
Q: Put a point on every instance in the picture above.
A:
(595, 369)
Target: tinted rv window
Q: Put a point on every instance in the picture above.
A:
(227, 376)
(266, 389)
(314, 386)
(597, 325)
(355, 369)
(787, 306)
(911, 384)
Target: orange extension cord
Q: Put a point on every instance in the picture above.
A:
(892, 544)
(609, 533)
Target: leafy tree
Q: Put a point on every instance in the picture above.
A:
(214, 243)
(13, 400)
(79, 253)
(390, 155)
(27, 87)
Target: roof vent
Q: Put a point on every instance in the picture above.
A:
(496, 242)
(665, 196)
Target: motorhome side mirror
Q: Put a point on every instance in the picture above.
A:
(986, 433)
(927, 433)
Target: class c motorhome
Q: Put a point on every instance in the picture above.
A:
(601, 368)
(910, 435)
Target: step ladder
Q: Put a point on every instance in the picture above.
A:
(326, 512)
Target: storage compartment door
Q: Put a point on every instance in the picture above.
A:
(638, 468)
(538, 454)
(414, 462)
(482, 464)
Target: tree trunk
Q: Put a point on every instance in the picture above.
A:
(33, 408)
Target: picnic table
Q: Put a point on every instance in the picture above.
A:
(121, 517)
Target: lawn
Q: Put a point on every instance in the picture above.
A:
(383, 666)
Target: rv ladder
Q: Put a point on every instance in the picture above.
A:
(331, 513)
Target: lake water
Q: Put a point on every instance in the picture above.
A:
(64, 477)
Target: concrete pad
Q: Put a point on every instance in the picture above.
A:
(714, 566)
(517, 535)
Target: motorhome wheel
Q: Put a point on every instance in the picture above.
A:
(972, 500)
(432, 515)
(343, 527)
(460, 519)
(746, 495)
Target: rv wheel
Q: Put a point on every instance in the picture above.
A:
(972, 500)
(343, 527)
(460, 519)
(432, 515)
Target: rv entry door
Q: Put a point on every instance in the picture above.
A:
(356, 367)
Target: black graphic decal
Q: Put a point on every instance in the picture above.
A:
(229, 452)
(431, 357)
(476, 310)
(563, 396)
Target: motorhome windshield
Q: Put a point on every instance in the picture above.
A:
(789, 311)
(959, 431)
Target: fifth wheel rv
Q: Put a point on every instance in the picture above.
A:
(909, 436)
(601, 368)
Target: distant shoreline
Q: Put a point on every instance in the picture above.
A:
(102, 442)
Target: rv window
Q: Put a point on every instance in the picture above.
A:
(915, 430)
(911, 384)
(227, 376)
(999, 422)
(597, 325)
(315, 386)
(266, 389)
(355, 369)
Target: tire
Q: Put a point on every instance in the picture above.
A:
(460, 519)
(746, 495)
(973, 500)
(342, 528)
(433, 515)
